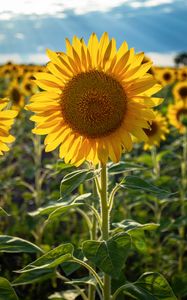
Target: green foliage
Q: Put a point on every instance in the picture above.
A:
(137, 183)
(6, 290)
(3, 213)
(44, 267)
(130, 225)
(109, 256)
(13, 244)
(72, 180)
(123, 167)
(150, 286)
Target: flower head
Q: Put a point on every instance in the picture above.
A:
(15, 95)
(157, 131)
(95, 98)
(177, 114)
(180, 91)
(165, 76)
(6, 120)
(182, 74)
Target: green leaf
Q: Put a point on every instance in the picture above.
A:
(61, 210)
(56, 296)
(138, 240)
(34, 276)
(6, 290)
(46, 210)
(145, 159)
(70, 267)
(136, 183)
(161, 155)
(13, 244)
(150, 286)
(3, 213)
(130, 225)
(109, 256)
(65, 295)
(44, 267)
(60, 165)
(72, 181)
(136, 231)
(122, 167)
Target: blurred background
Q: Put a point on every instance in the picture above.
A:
(28, 27)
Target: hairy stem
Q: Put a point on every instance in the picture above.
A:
(105, 216)
(92, 290)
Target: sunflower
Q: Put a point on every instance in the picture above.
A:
(182, 74)
(28, 86)
(165, 76)
(6, 121)
(15, 95)
(180, 91)
(6, 71)
(177, 115)
(95, 98)
(157, 131)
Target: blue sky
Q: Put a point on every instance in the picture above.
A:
(28, 27)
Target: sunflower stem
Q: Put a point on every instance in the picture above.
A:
(37, 160)
(156, 166)
(157, 208)
(105, 216)
(92, 289)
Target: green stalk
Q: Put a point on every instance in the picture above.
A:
(37, 161)
(38, 184)
(157, 208)
(90, 269)
(105, 216)
(156, 165)
(92, 290)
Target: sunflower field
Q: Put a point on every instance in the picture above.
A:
(93, 181)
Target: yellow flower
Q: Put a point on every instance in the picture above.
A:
(96, 97)
(6, 121)
(180, 91)
(28, 87)
(15, 95)
(157, 131)
(182, 74)
(165, 76)
(177, 114)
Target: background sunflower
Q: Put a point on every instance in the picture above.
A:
(177, 115)
(157, 131)
(180, 91)
(6, 120)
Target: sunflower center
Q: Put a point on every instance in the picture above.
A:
(28, 87)
(183, 92)
(184, 75)
(152, 130)
(93, 104)
(15, 95)
(167, 76)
